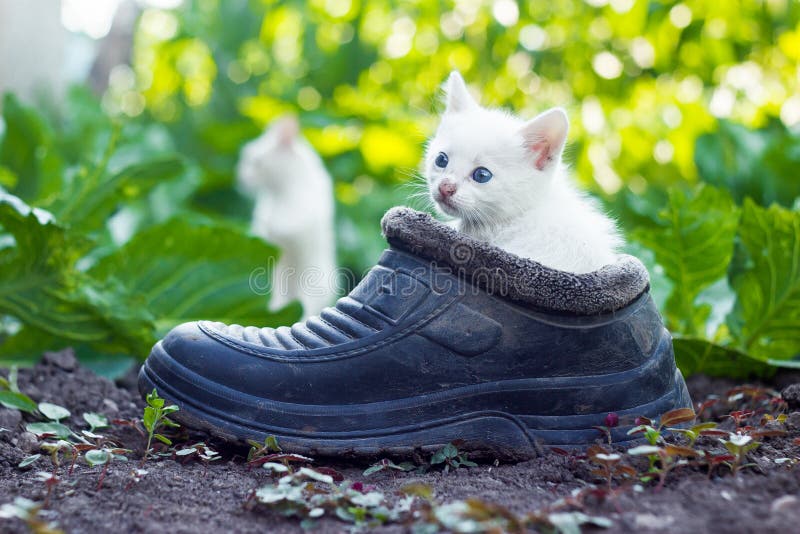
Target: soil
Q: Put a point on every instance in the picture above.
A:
(192, 497)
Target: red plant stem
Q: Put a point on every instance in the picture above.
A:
(102, 475)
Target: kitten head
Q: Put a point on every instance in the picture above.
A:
(485, 165)
(271, 161)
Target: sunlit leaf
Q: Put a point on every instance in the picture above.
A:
(766, 315)
(677, 416)
(693, 242)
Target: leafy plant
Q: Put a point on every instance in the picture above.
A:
(258, 450)
(95, 420)
(693, 242)
(609, 464)
(739, 445)
(758, 249)
(155, 418)
(73, 273)
(10, 395)
(667, 457)
(451, 457)
(309, 494)
(388, 465)
(201, 452)
(95, 455)
(765, 318)
(751, 163)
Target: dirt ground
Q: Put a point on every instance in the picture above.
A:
(190, 497)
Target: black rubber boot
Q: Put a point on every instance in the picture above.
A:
(445, 339)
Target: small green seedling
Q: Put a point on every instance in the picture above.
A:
(55, 448)
(104, 457)
(609, 464)
(702, 429)
(653, 434)
(155, 418)
(52, 428)
(309, 494)
(388, 465)
(200, 451)
(451, 457)
(29, 460)
(739, 445)
(269, 453)
(258, 450)
(53, 412)
(668, 457)
(96, 421)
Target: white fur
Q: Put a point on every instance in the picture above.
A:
(294, 210)
(530, 207)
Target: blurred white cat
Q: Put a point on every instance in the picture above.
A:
(294, 209)
(502, 180)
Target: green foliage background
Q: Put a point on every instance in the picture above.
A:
(684, 122)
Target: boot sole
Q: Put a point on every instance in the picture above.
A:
(480, 417)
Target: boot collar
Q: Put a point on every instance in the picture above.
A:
(509, 276)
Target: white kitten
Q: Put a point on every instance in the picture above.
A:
(502, 180)
(294, 210)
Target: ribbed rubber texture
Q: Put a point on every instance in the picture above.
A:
(476, 415)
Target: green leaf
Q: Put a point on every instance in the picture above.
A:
(26, 346)
(154, 400)
(27, 152)
(49, 429)
(17, 401)
(95, 420)
(201, 272)
(693, 242)
(97, 457)
(163, 439)
(757, 164)
(765, 319)
(373, 469)
(271, 444)
(28, 460)
(41, 286)
(54, 412)
(97, 193)
(445, 453)
(149, 418)
(696, 355)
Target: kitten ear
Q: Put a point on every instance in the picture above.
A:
(545, 136)
(457, 96)
(285, 129)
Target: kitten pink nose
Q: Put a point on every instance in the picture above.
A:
(447, 189)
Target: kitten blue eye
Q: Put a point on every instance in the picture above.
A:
(482, 175)
(441, 160)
